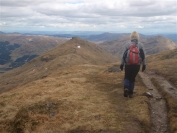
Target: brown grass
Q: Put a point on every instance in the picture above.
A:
(164, 64)
(84, 98)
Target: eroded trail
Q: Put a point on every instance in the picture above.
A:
(158, 106)
(165, 85)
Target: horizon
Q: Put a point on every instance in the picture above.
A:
(83, 32)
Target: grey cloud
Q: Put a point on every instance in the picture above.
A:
(100, 14)
(144, 3)
(15, 12)
(92, 10)
(13, 3)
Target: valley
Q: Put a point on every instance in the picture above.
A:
(17, 49)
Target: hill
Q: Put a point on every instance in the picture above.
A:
(158, 44)
(77, 88)
(76, 99)
(173, 37)
(70, 89)
(115, 47)
(152, 45)
(64, 55)
(17, 49)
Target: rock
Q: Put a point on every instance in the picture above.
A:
(97, 117)
(171, 88)
(148, 94)
(158, 98)
(52, 115)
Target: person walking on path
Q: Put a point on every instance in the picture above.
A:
(133, 57)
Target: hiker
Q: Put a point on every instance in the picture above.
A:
(133, 56)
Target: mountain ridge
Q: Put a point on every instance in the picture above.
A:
(24, 48)
(152, 45)
(77, 87)
(65, 55)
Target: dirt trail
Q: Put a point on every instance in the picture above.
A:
(165, 85)
(157, 106)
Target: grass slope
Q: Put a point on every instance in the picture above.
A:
(65, 55)
(82, 98)
(164, 64)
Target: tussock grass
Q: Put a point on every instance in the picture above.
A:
(85, 98)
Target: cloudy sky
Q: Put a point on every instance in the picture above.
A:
(146, 16)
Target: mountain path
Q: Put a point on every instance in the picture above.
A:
(165, 85)
(158, 107)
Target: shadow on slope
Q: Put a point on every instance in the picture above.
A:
(17, 49)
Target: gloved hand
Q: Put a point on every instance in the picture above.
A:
(143, 68)
(121, 67)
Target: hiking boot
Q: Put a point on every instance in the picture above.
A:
(130, 94)
(126, 92)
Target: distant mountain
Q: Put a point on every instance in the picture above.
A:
(173, 37)
(100, 37)
(74, 52)
(111, 36)
(115, 47)
(158, 44)
(152, 45)
(105, 36)
(17, 49)
(1, 33)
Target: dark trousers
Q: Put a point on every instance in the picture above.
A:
(130, 74)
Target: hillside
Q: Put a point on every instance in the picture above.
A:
(152, 45)
(76, 99)
(64, 55)
(17, 49)
(173, 37)
(116, 47)
(77, 88)
(164, 64)
(158, 44)
(161, 70)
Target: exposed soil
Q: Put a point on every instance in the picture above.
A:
(157, 106)
(165, 85)
(159, 112)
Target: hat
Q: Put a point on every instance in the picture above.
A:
(134, 35)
